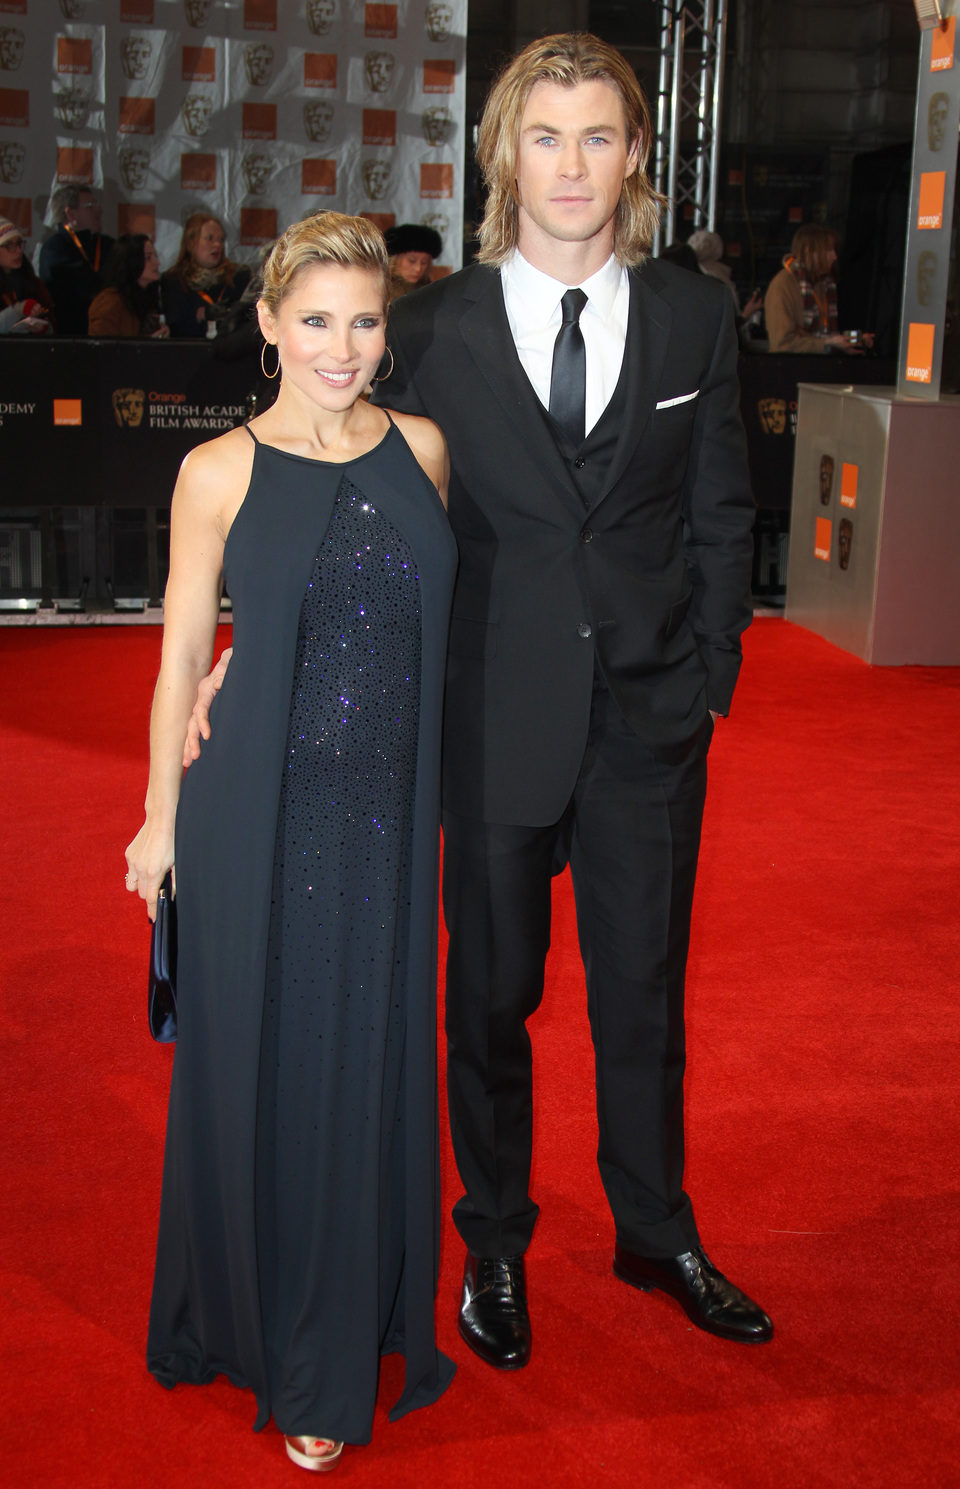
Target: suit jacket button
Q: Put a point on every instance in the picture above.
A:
(579, 462)
(584, 629)
(586, 535)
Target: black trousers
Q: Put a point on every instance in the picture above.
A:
(631, 833)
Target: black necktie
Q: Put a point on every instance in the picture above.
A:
(568, 380)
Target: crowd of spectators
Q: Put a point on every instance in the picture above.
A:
(90, 284)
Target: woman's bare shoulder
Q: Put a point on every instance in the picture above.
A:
(422, 435)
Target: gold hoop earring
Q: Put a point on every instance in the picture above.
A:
(270, 375)
(386, 374)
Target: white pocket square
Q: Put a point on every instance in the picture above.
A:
(684, 398)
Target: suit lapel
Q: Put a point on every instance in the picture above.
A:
(485, 331)
(648, 339)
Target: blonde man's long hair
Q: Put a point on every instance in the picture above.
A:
(567, 59)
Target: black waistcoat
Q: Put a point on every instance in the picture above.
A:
(589, 464)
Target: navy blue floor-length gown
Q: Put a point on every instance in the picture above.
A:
(299, 1215)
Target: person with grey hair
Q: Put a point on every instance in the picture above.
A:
(708, 247)
(74, 258)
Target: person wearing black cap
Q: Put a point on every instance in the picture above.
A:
(412, 248)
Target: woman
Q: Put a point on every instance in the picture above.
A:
(203, 283)
(800, 305)
(130, 303)
(25, 302)
(412, 249)
(299, 1212)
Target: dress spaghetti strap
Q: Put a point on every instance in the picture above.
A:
(251, 434)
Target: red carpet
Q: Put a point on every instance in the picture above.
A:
(822, 1111)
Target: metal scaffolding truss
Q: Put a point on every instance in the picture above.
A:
(687, 156)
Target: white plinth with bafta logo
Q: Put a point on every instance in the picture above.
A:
(875, 524)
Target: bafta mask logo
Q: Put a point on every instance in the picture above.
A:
(11, 47)
(196, 12)
(321, 15)
(826, 479)
(72, 9)
(773, 415)
(926, 277)
(378, 67)
(438, 221)
(12, 157)
(72, 107)
(439, 20)
(318, 120)
(844, 542)
(437, 124)
(128, 407)
(258, 61)
(135, 54)
(376, 178)
(196, 113)
(134, 165)
(256, 166)
(937, 113)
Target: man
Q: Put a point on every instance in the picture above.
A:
(604, 523)
(600, 500)
(74, 258)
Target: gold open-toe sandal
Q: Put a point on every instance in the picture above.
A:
(325, 1456)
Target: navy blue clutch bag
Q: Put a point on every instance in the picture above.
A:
(162, 984)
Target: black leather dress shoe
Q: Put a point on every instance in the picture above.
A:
(493, 1315)
(705, 1295)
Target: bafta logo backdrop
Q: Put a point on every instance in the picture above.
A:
(259, 111)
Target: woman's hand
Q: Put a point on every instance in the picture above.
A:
(161, 333)
(149, 857)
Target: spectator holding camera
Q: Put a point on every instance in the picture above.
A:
(203, 284)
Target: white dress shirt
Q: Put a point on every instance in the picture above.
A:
(532, 301)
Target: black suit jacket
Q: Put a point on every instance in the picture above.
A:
(652, 577)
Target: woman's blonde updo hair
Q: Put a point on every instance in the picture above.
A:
(327, 238)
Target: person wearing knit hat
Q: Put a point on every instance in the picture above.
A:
(412, 248)
(25, 303)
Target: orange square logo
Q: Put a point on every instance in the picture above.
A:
(849, 476)
(823, 538)
(136, 217)
(259, 121)
(382, 220)
(319, 69)
(198, 172)
(795, 214)
(318, 177)
(199, 65)
(260, 15)
(380, 21)
(438, 75)
(735, 178)
(933, 185)
(75, 165)
(18, 209)
(68, 411)
(919, 353)
(74, 54)
(258, 225)
(136, 115)
(436, 179)
(943, 46)
(379, 126)
(15, 107)
(137, 12)
(13, 7)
